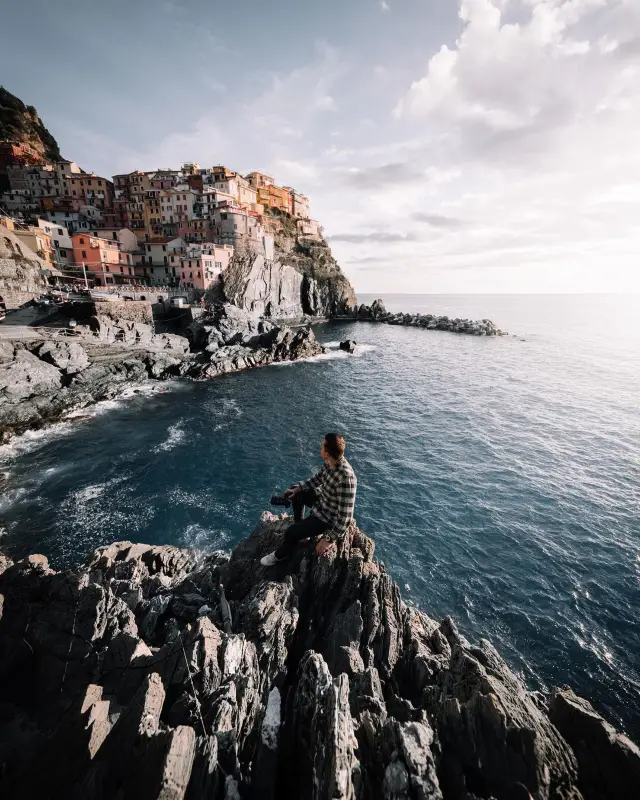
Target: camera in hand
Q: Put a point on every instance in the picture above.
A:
(280, 500)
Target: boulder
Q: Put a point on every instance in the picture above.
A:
(26, 376)
(349, 346)
(71, 357)
(609, 763)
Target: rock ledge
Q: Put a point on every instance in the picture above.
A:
(128, 678)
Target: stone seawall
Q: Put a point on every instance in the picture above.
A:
(377, 312)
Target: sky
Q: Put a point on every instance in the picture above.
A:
(447, 146)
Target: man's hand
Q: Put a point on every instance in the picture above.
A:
(323, 545)
(290, 492)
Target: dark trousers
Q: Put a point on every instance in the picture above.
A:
(301, 528)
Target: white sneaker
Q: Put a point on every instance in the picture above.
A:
(270, 560)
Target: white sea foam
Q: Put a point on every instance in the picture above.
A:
(197, 537)
(333, 354)
(32, 440)
(176, 435)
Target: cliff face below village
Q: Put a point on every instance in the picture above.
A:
(292, 289)
(157, 672)
(302, 279)
(20, 124)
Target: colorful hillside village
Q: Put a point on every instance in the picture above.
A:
(176, 228)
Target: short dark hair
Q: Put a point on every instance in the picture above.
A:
(335, 445)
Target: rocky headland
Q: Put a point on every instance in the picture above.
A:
(377, 312)
(157, 672)
(43, 379)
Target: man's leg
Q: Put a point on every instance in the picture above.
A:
(307, 497)
(305, 529)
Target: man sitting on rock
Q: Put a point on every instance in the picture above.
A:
(331, 496)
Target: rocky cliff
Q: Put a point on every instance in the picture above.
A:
(20, 124)
(156, 672)
(43, 378)
(22, 272)
(303, 279)
(279, 289)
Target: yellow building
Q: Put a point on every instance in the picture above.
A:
(37, 241)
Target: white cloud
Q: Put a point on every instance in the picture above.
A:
(536, 106)
(384, 6)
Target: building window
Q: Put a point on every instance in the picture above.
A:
(107, 268)
(122, 270)
(84, 253)
(164, 248)
(198, 274)
(59, 231)
(81, 241)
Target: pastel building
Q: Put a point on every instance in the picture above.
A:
(160, 260)
(103, 259)
(309, 229)
(203, 264)
(94, 190)
(259, 180)
(61, 241)
(299, 203)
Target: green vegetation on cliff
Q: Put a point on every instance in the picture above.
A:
(20, 124)
(311, 258)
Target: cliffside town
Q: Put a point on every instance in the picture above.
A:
(181, 229)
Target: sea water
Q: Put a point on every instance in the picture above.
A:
(499, 477)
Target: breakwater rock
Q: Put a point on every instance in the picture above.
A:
(377, 312)
(41, 380)
(158, 672)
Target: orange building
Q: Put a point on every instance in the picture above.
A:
(104, 259)
(275, 197)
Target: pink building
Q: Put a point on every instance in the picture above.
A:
(203, 265)
(104, 259)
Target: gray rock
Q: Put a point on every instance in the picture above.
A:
(125, 684)
(26, 376)
(349, 346)
(609, 763)
(70, 358)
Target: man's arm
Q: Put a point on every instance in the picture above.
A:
(346, 501)
(314, 481)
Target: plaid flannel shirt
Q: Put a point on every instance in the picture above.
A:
(335, 488)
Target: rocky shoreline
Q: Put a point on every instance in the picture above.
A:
(377, 312)
(42, 380)
(158, 672)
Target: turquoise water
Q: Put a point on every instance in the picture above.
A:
(499, 477)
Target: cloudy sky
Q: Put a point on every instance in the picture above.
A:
(446, 145)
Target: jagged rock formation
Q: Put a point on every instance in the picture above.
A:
(20, 124)
(40, 380)
(125, 679)
(279, 289)
(377, 312)
(22, 275)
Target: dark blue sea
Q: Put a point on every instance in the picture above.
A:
(499, 477)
